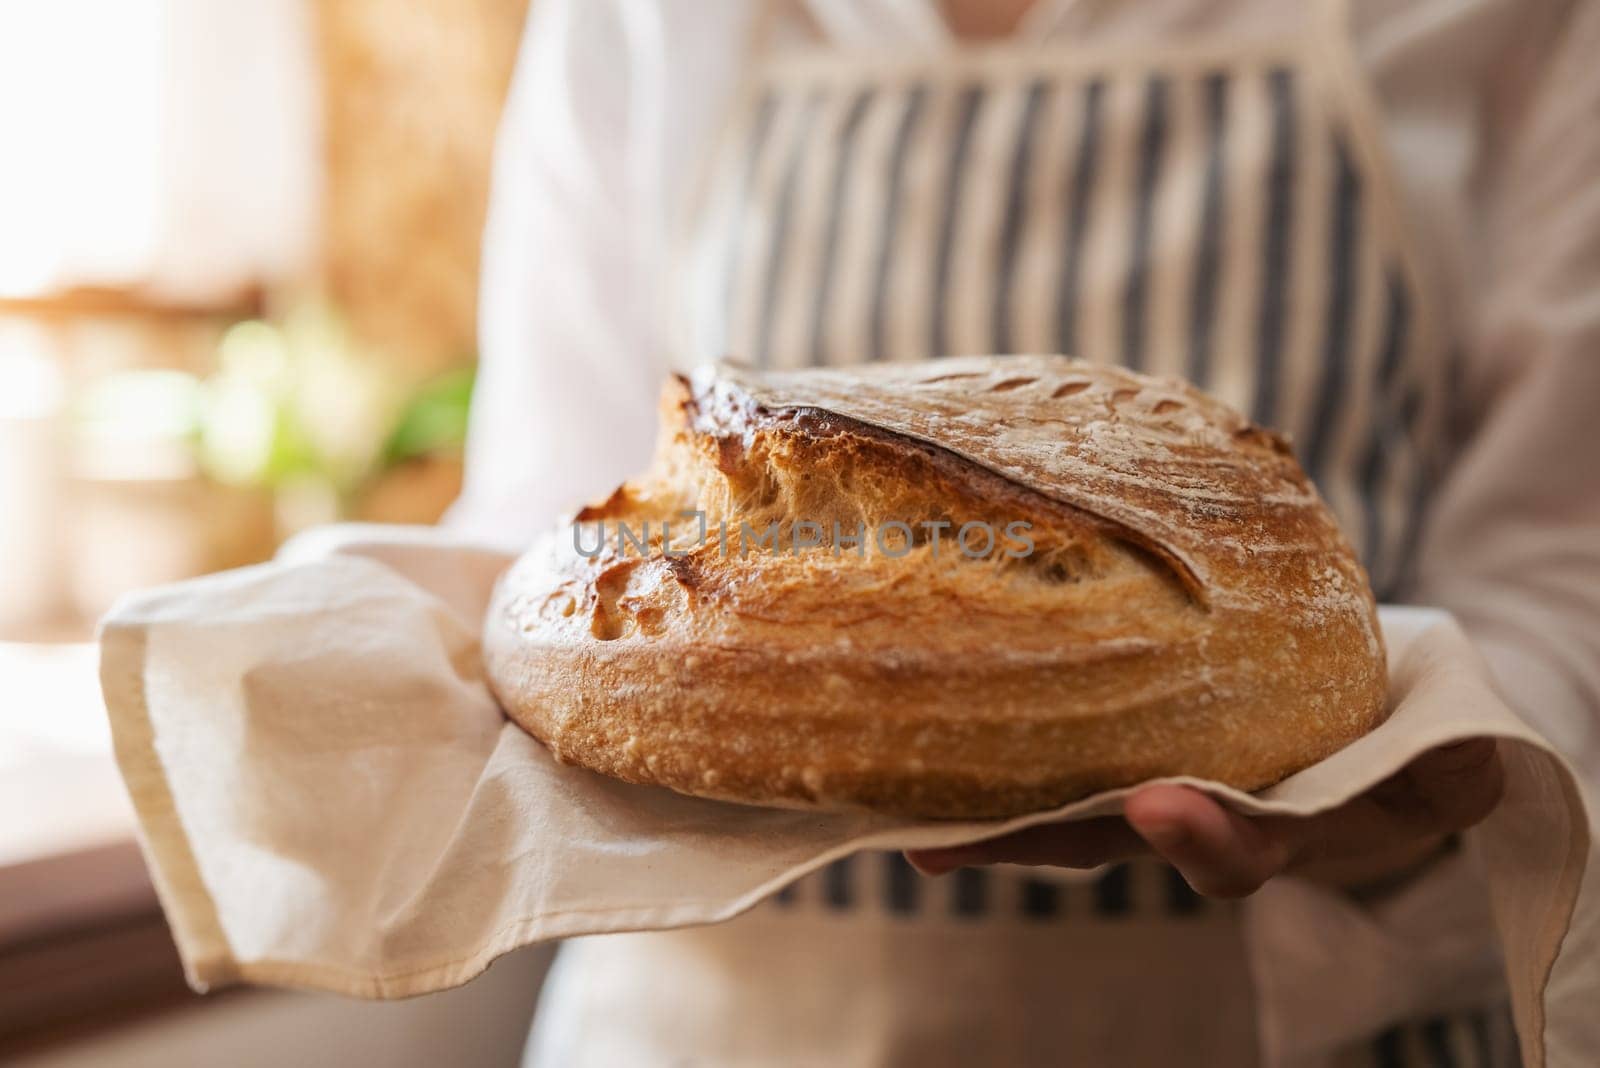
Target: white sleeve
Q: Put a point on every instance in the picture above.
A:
(597, 145)
(1512, 548)
(1512, 544)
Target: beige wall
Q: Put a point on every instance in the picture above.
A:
(412, 97)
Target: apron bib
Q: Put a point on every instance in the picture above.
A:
(1221, 213)
(1215, 212)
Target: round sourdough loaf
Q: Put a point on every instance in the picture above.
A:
(1163, 593)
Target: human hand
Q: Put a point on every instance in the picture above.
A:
(1388, 830)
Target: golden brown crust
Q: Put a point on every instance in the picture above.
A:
(1189, 606)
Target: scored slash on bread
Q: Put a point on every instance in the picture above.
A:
(1189, 605)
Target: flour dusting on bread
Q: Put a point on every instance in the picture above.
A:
(1186, 603)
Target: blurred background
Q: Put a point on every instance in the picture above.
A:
(238, 278)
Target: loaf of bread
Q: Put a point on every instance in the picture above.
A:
(961, 589)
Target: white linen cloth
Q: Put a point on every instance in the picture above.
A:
(329, 797)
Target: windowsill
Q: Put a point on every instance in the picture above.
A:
(83, 943)
(58, 778)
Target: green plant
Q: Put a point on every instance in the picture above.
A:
(292, 403)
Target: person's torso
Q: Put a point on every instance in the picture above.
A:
(1193, 206)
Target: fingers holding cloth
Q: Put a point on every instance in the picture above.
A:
(1385, 833)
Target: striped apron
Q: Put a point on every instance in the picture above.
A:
(1220, 213)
